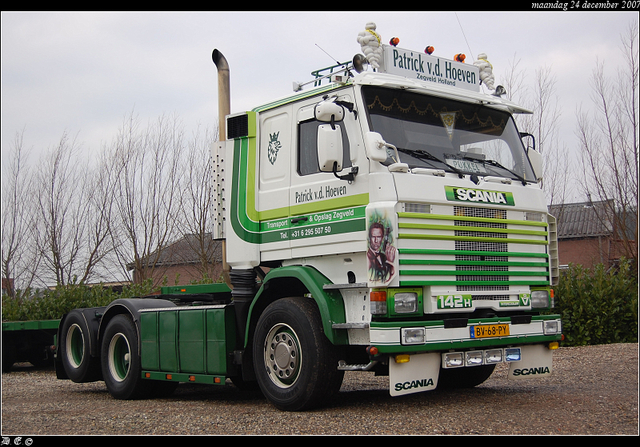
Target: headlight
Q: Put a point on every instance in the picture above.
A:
(452, 359)
(512, 355)
(412, 336)
(493, 356)
(405, 302)
(540, 299)
(551, 327)
(473, 358)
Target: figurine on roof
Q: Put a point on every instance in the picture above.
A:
(370, 42)
(486, 70)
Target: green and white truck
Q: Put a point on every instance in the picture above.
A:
(390, 221)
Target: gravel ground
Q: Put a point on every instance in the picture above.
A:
(594, 391)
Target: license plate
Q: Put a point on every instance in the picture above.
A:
(489, 330)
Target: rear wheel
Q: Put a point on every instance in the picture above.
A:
(296, 365)
(75, 349)
(121, 368)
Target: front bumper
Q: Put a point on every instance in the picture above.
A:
(440, 335)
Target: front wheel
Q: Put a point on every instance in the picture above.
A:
(296, 365)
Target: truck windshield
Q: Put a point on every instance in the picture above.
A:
(445, 134)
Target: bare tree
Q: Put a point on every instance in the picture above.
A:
(543, 124)
(148, 183)
(62, 209)
(514, 81)
(17, 260)
(101, 188)
(78, 221)
(557, 167)
(195, 219)
(608, 142)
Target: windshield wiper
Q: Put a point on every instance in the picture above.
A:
(420, 153)
(498, 165)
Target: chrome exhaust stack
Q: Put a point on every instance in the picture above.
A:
(224, 92)
(224, 109)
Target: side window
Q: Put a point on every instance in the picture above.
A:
(308, 150)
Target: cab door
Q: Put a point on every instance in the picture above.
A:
(327, 214)
(274, 174)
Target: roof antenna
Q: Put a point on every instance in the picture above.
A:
(297, 86)
(328, 54)
(465, 37)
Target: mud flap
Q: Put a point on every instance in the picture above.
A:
(536, 362)
(420, 373)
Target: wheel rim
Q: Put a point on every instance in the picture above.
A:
(75, 345)
(282, 355)
(119, 357)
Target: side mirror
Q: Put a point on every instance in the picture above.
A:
(328, 111)
(329, 147)
(376, 147)
(536, 162)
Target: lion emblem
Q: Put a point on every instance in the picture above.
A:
(274, 147)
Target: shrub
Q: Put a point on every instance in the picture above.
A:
(52, 304)
(598, 306)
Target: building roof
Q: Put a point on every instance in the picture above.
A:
(584, 219)
(186, 251)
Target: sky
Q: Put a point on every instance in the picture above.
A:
(83, 72)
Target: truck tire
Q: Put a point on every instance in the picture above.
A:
(75, 349)
(296, 365)
(121, 368)
(464, 377)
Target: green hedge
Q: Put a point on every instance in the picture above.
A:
(598, 306)
(48, 304)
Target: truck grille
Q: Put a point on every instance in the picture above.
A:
(457, 249)
(487, 213)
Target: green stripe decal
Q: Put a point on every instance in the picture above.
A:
(472, 283)
(499, 263)
(470, 273)
(465, 228)
(246, 228)
(529, 223)
(469, 238)
(426, 251)
(296, 97)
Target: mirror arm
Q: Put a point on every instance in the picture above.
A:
(349, 106)
(527, 134)
(351, 176)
